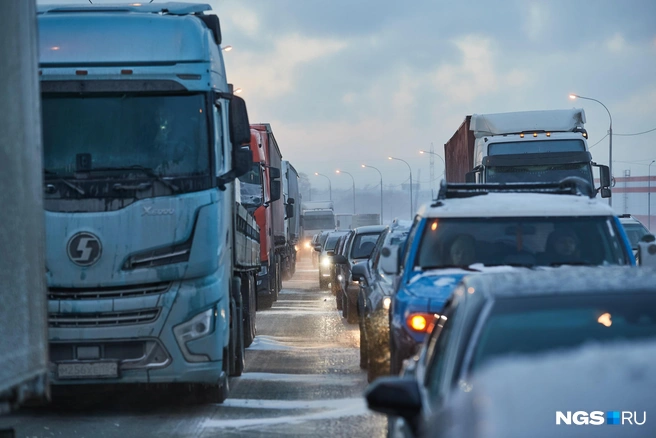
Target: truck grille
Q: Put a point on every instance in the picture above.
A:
(69, 293)
(102, 319)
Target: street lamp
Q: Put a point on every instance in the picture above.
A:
(237, 91)
(610, 136)
(227, 48)
(412, 210)
(381, 189)
(438, 156)
(353, 179)
(330, 187)
(649, 196)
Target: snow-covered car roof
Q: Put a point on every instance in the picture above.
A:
(516, 205)
(370, 229)
(628, 219)
(519, 396)
(564, 280)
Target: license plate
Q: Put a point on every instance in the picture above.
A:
(87, 370)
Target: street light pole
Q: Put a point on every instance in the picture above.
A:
(649, 196)
(341, 171)
(610, 137)
(330, 187)
(381, 189)
(412, 210)
(438, 156)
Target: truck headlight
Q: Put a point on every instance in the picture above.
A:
(197, 327)
(387, 301)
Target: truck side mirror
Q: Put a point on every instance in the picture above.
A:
(605, 192)
(274, 173)
(289, 211)
(275, 190)
(470, 177)
(240, 128)
(604, 176)
(242, 160)
(647, 251)
(291, 201)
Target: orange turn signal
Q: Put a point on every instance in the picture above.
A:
(418, 322)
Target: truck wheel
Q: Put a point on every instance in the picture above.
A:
(344, 305)
(249, 310)
(236, 343)
(205, 393)
(264, 302)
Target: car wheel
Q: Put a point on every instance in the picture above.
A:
(352, 313)
(338, 299)
(364, 349)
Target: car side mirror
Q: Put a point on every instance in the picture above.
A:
(359, 272)
(339, 259)
(389, 260)
(647, 251)
(317, 247)
(395, 396)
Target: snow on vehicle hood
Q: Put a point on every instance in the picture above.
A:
(520, 395)
(436, 285)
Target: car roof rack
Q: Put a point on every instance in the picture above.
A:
(567, 186)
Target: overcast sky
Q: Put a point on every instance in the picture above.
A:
(346, 82)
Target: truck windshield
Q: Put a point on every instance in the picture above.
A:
(534, 325)
(547, 241)
(535, 147)
(166, 133)
(250, 187)
(319, 222)
(545, 173)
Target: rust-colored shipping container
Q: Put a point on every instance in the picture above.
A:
(459, 153)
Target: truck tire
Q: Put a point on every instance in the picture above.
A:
(248, 292)
(236, 343)
(206, 393)
(264, 302)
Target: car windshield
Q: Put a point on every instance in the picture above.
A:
(331, 242)
(319, 222)
(166, 133)
(363, 245)
(635, 232)
(520, 241)
(543, 173)
(533, 325)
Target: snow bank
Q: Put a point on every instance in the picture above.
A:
(519, 397)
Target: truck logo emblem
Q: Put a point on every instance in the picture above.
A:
(150, 211)
(84, 249)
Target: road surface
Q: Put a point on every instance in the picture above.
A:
(301, 379)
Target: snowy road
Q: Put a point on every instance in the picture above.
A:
(301, 379)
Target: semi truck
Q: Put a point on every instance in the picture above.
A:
(529, 146)
(151, 261)
(271, 217)
(292, 202)
(23, 306)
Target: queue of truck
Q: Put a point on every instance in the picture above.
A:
(164, 237)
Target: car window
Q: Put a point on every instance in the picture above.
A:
(533, 325)
(408, 242)
(635, 232)
(363, 245)
(375, 255)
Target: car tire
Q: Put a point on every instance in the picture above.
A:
(364, 349)
(352, 312)
(338, 299)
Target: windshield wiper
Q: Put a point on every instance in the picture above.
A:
(61, 179)
(463, 267)
(147, 170)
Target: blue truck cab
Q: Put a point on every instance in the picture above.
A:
(150, 260)
(478, 228)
